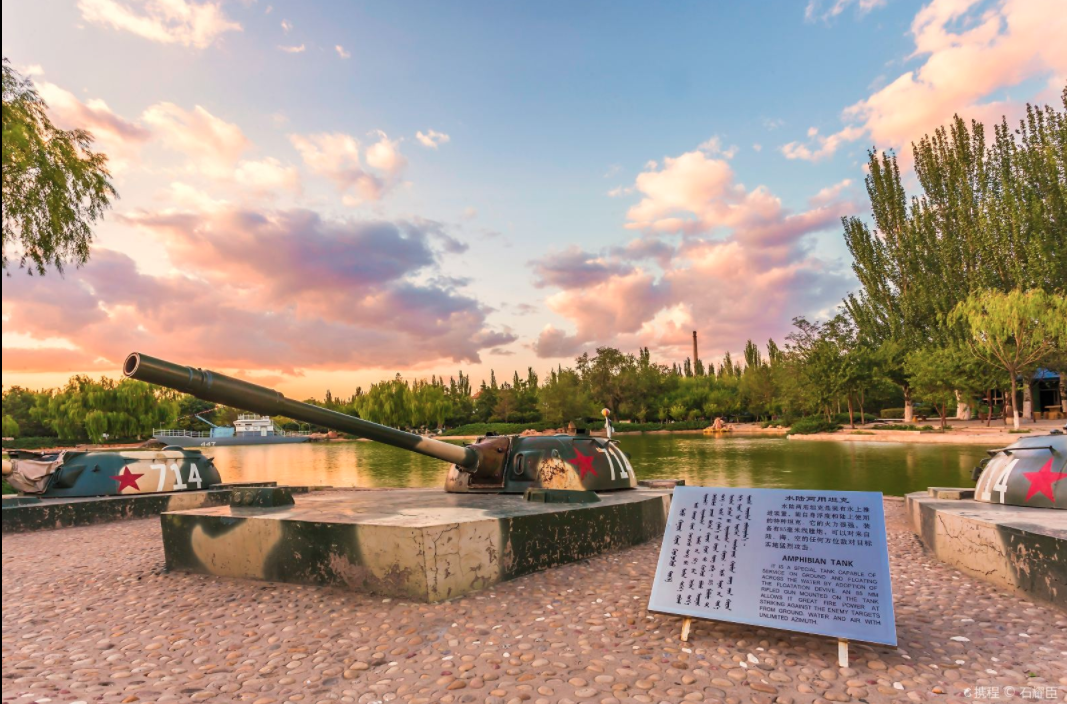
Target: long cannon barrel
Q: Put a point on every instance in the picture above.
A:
(219, 388)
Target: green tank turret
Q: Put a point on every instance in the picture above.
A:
(492, 464)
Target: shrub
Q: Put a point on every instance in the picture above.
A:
(813, 424)
(842, 418)
(891, 413)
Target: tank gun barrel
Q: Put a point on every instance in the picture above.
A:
(219, 388)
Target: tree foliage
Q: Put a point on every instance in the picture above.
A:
(1016, 331)
(54, 186)
(989, 217)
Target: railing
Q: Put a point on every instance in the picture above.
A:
(170, 433)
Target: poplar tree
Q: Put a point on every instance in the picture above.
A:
(989, 217)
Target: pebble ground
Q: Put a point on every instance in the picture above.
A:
(90, 615)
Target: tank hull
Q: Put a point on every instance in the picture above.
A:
(182, 441)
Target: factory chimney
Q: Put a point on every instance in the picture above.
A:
(695, 356)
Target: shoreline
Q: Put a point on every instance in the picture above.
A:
(958, 436)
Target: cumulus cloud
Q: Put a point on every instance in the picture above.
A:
(431, 139)
(192, 24)
(281, 290)
(336, 156)
(574, 268)
(210, 144)
(818, 10)
(714, 147)
(385, 154)
(743, 267)
(970, 53)
(295, 49)
(265, 176)
(341, 52)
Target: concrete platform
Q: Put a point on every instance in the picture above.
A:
(1023, 550)
(27, 513)
(420, 544)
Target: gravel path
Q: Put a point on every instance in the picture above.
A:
(89, 615)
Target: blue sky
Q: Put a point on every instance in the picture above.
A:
(509, 240)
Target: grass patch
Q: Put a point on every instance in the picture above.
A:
(862, 432)
(1020, 431)
(908, 426)
(8, 489)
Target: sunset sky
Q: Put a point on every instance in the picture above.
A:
(320, 195)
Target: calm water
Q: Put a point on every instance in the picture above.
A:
(893, 469)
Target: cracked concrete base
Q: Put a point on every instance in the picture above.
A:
(420, 544)
(1020, 549)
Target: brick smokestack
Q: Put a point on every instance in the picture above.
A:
(695, 356)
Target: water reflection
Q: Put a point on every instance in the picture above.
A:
(891, 468)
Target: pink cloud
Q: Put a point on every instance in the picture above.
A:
(211, 145)
(574, 268)
(335, 155)
(971, 53)
(742, 268)
(280, 291)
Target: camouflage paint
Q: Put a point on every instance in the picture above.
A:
(1023, 550)
(25, 514)
(411, 543)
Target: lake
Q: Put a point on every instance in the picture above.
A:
(771, 462)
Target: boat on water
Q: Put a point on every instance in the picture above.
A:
(248, 429)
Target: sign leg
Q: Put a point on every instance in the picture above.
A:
(686, 624)
(842, 652)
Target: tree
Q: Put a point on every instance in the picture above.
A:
(937, 374)
(988, 218)
(54, 186)
(19, 404)
(1015, 331)
(11, 427)
(562, 397)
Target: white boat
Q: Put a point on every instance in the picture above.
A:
(248, 429)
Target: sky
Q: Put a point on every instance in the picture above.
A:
(322, 195)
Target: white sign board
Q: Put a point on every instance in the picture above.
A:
(809, 561)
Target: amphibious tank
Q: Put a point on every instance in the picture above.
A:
(493, 464)
(1030, 472)
(72, 473)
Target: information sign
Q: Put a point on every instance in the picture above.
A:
(809, 561)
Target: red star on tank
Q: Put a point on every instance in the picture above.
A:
(126, 478)
(583, 463)
(1042, 480)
